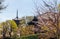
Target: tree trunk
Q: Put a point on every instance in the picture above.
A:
(4, 34)
(10, 34)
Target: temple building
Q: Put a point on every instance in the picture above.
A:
(17, 19)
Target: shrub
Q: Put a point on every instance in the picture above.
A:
(29, 37)
(35, 36)
(7, 38)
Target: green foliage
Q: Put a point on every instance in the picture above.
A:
(4, 24)
(14, 36)
(12, 24)
(29, 37)
(35, 36)
(7, 38)
(26, 30)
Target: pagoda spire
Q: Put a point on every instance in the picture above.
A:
(17, 14)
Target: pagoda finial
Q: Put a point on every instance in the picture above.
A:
(17, 14)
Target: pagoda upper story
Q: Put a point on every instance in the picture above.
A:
(17, 19)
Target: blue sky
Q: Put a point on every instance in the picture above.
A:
(25, 8)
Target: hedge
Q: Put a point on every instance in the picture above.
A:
(35, 36)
